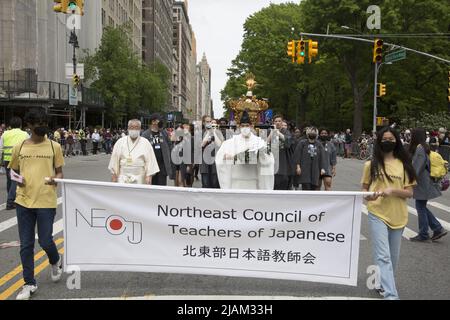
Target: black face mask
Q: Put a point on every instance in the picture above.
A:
(387, 146)
(41, 131)
(323, 138)
(312, 136)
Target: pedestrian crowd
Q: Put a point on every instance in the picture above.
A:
(276, 155)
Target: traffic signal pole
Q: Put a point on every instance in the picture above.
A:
(74, 58)
(375, 111)
(371, 41)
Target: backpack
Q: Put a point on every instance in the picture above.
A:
(439, 167)
(439, 170)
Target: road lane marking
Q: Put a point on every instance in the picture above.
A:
(16, 286)
(407, 233)
(444, 224)
(5, 225)
(439, 206)
(7, 277)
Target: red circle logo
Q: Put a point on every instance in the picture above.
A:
(116, 224)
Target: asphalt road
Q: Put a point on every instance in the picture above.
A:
(423, 269)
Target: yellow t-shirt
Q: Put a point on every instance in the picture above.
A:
(392, 210)
(36, 162)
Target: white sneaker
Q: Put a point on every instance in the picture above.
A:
(27, 292)
(56, 270)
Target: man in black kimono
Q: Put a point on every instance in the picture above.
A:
(310, 160)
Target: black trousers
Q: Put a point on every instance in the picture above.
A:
(159, 179)
(308, 186)
(281, 182)
(83, 147)
(95, 146)
(210, 181)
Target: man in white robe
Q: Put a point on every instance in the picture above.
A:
(243, 162)
(133, 160)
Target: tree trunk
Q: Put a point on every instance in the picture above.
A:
(358, 112)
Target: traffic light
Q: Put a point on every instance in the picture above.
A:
(69, 6)
(76, 7)
(301, 52)
(61, 6)
(76, 80)
(80, 7)
(381, 90)
(378, 51)
(313, 50)
(291, 50)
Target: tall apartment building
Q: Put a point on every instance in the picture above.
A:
(119, 12)
(192, 80)
(157, 32)
(34, 39)
(204, 103)
(182, 41)
(157, 37)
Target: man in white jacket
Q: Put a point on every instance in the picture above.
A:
(133, 160)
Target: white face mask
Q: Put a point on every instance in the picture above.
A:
(246, 131)
(134, 134)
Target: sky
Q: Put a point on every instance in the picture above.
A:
(218, 28)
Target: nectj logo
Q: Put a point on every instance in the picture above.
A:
(114, 224)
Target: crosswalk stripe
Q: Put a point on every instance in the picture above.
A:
(439, 206)
(5, 225)
(444, 224)
(407, 233)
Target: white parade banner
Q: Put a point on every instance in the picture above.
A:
(307, 236)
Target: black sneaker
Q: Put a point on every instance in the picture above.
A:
(438, 235)
(380, 291)
(419, 238)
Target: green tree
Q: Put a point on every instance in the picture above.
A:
(337, 90)
(129, 88)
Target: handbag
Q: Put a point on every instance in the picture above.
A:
(444, 183)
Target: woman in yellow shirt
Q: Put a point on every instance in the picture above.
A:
(391, 176)
(39, 161)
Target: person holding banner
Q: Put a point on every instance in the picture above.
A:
(391, 176)
(243, 162)
(35, 163)
(133, 160)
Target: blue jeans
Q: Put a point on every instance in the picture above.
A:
(10, 186)
(26, 221)
(108, 146)
(12, 194)
(385, 250)
(426, 219)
